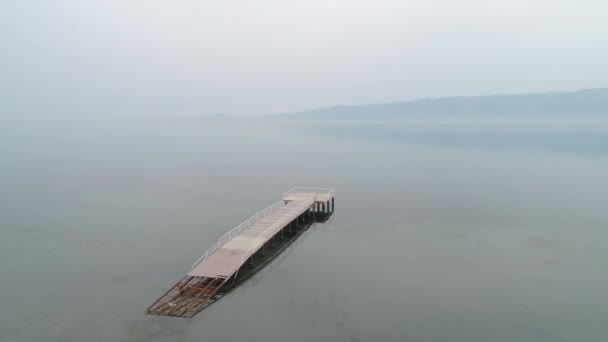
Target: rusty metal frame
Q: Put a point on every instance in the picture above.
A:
(187, 297)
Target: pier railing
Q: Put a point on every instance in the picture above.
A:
(263, 236)
(234, 231)
(311, 190)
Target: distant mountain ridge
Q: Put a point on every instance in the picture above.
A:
(588, 101)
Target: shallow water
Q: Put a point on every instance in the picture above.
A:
(441, 232)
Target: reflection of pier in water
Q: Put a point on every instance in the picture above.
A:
(245, 251)
(277, 258)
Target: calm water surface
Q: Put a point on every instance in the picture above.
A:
(442, 232)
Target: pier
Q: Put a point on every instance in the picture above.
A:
(219, 267)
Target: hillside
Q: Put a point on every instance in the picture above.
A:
(590, 101)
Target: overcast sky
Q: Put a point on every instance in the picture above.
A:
(121, 58)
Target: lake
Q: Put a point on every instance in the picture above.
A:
(443, 231)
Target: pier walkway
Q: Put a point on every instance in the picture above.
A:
(222, 262)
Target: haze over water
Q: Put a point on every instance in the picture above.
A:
(442, 232)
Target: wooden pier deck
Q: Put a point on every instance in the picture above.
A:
(222, 262)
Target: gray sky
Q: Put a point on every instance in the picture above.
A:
(120, 58)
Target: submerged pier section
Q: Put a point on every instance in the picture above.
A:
(220, 265)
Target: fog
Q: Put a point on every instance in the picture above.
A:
(118, 59)
(461, 219)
